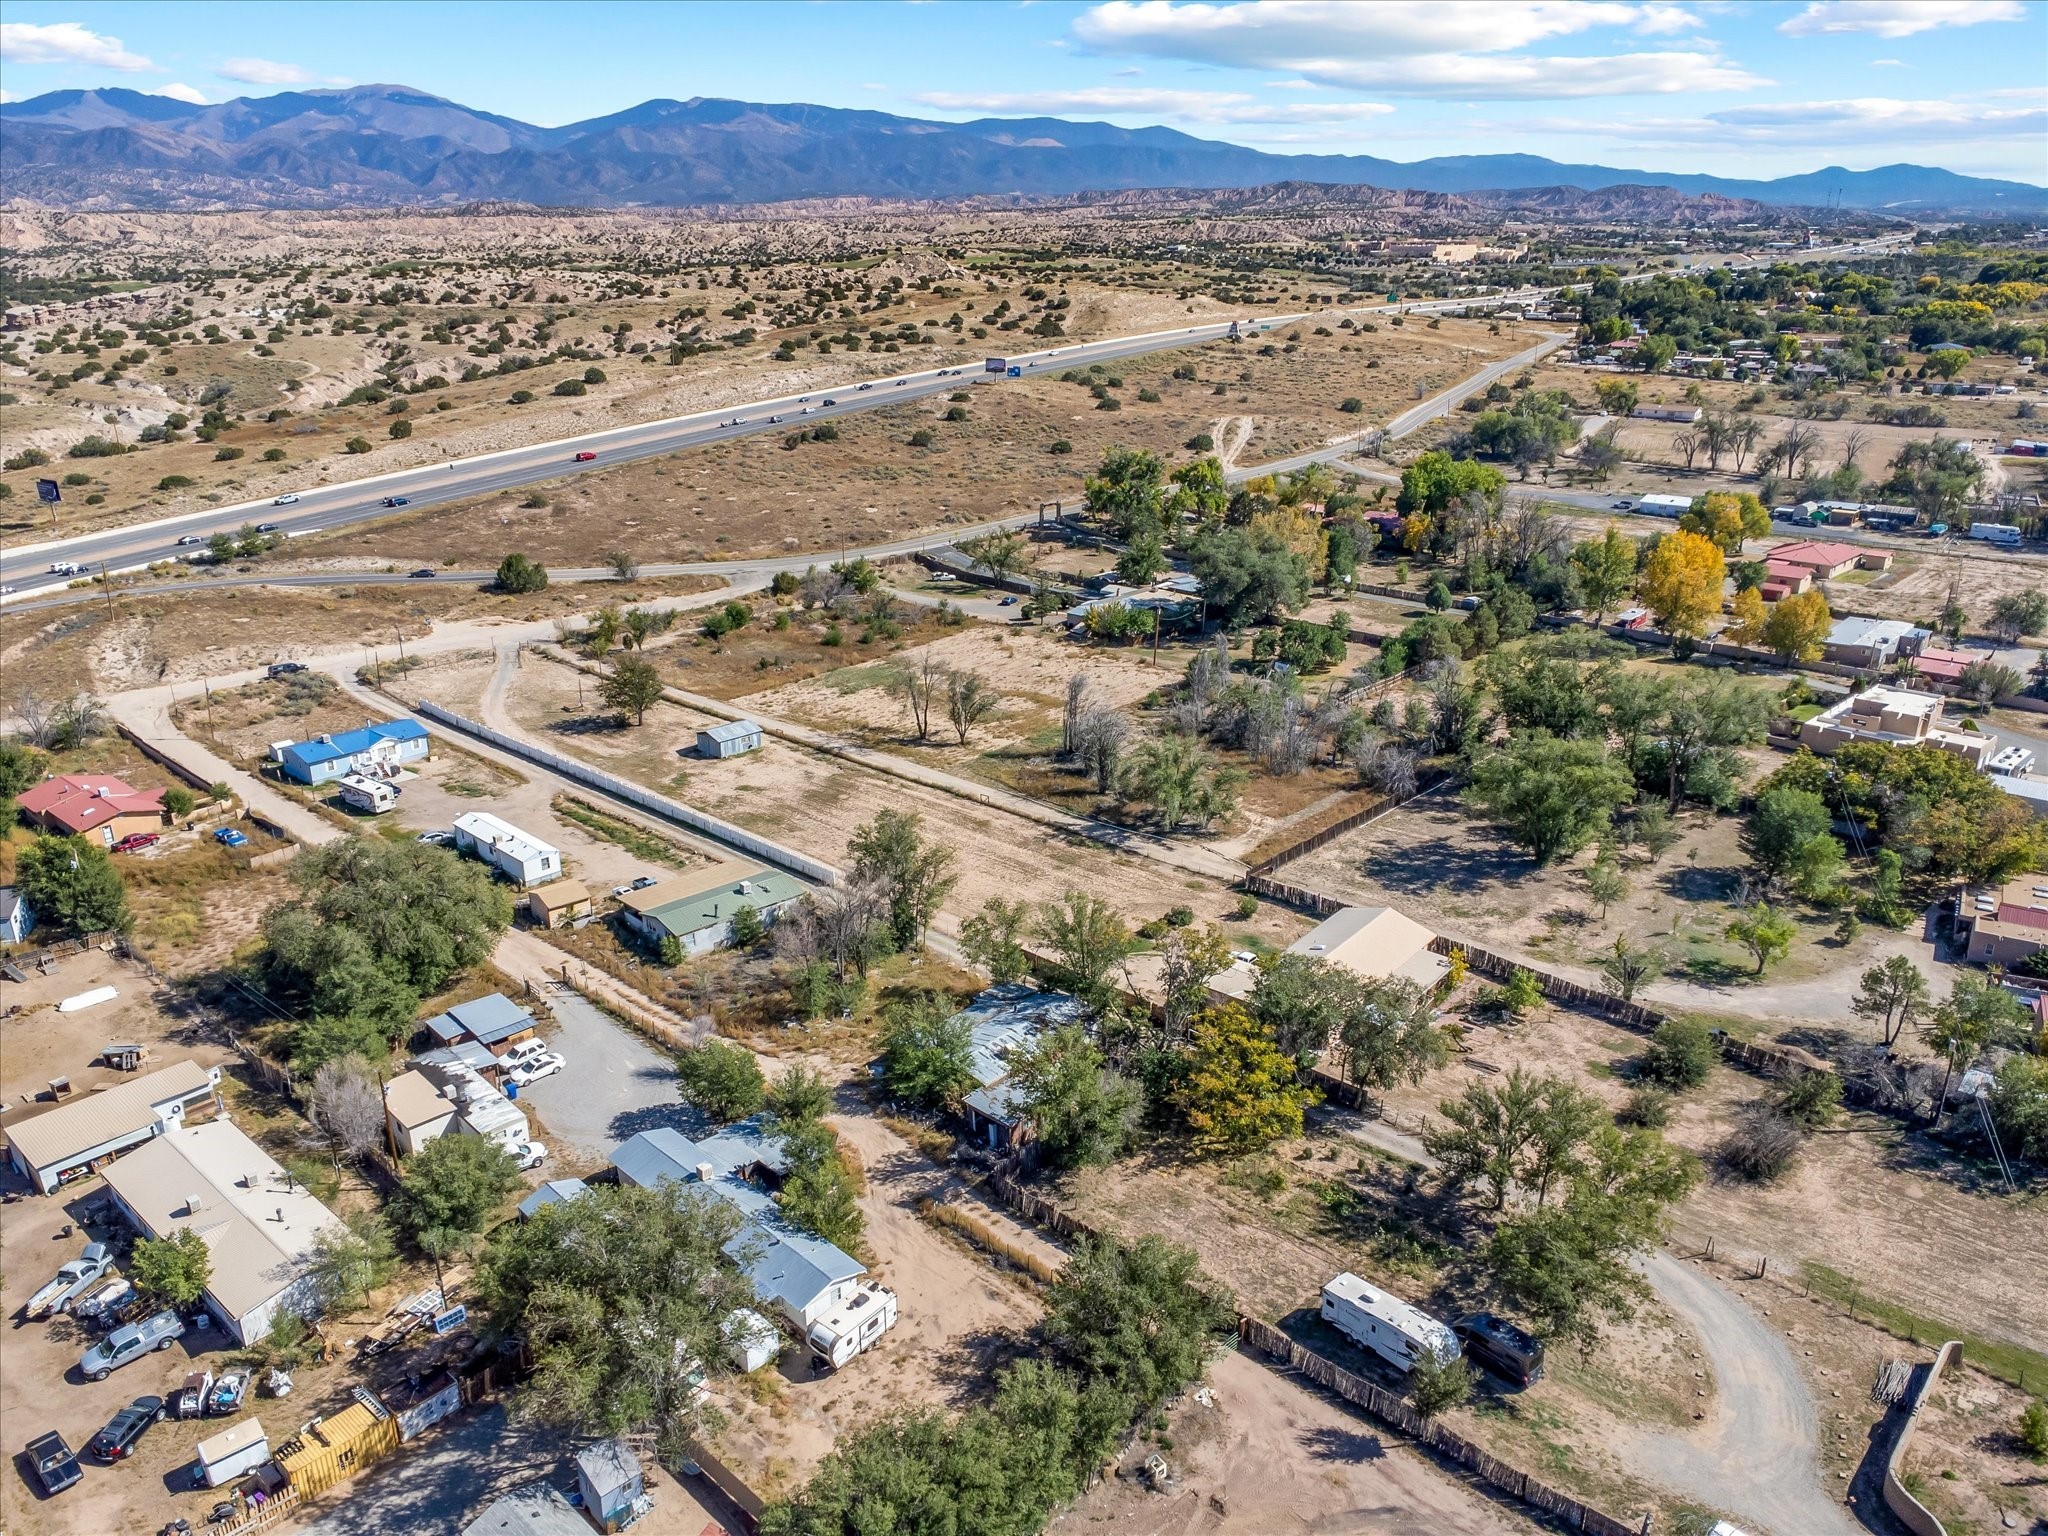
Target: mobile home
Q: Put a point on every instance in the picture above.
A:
(1664, 506)
(518, 857)
(1384, 1324)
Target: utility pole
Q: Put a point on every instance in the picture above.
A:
(107, 586)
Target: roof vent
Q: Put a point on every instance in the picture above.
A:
(194, 1203)
(703, 1173)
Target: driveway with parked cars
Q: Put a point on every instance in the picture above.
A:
(614, 1084)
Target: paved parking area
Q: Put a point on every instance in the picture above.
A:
(614, 1085)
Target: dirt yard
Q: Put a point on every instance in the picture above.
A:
(1272, 1455)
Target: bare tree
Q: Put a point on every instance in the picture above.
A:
(837, 925)
(1070, 720)
(1795, 447)
(624, 567)
(1743, 437)
(1293, 742)
(969, 700)
(1853, 445)
(923, 685)
(346, 1103)
(1689, 443)
(1100, 739)
(1714, 434)
(37, 716)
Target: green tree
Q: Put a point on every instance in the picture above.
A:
(454, 1184)
(817, 1192)
(1249, 575)
(799, 1095)
(20, 766)
(172, 1271)
(1976, 1013)
(1436, 1385)
(2015, 615)
(1238, 1091)
(1142, 560)
(1810, 1099)
(1200, 494)
(1606, 570)
(992, 939)
(1181, 780)
(721, 1078)
(2033, 1429)
(1002, 553)
(1606, 884)
(71, 885)
(1087, 940)
(1766, 933)
(1126, 490)
(927, 1052)
(1141, 1317)
(1300, 1000)
(350, 1260)
(1487, 1133)
(1436, 481)
(1625, 968)
(1081, 1111)
(631, 687)
(622, 1295)
(519, 575)
(1680, 1054)
(2019, 1106)
(1785, 821)
(914, 876)
(747, 928)
(1553, 795)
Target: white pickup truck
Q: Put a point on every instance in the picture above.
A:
(69, 1281)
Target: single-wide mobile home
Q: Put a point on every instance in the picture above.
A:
(518, 857)
(1664, 506)
(1384, 1324)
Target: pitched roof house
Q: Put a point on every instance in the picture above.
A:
(96, 805)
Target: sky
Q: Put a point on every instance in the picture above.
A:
(1734, 89)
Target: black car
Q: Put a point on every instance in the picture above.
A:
(424, 573)
(396, 501)
(286, 668)
(266, 527)
(56, 1468)
(1498, 1345)
(117, 1441)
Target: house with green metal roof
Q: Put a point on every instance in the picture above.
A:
(697, 908)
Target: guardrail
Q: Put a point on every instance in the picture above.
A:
(802, 865)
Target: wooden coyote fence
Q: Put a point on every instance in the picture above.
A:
(1324, 835)
(1560, 989)
(1395, 1411)
(1383, 1405)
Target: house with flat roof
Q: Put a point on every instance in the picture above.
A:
(523, 859)
(493, 1021)
(258, 1222)
(378, 751)
(696, 908)
(1372, 943)
(1940, 662)
(1002, 1021)
(799, 1275)
(70, 1141)
(1898, 717)
(1860, 642)
(2006, 924)
(94, 805)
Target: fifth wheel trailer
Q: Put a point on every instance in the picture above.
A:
(1384, 1324)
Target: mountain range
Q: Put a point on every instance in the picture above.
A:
(385, 145)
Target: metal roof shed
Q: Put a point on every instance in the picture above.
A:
(730, 739)
(610, 1478)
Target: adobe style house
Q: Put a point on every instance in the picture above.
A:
(1899, 717)
(2006, 925)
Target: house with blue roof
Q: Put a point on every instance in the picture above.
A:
(378, 750)
(491, 1020)
(1000, 1022)
(799, 1275)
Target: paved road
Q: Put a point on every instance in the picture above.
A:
(321, 508)
(1758, 1455)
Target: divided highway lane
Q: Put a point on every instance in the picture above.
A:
(322, 508)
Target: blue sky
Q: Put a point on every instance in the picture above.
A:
(1668, 85)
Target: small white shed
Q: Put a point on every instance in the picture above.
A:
(729, 740)
(239, 1448)
(753, 1340)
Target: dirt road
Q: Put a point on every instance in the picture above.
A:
(1758, 1452)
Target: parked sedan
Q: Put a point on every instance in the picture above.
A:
(529, 1072)
(117, 1441)
(56, 1468)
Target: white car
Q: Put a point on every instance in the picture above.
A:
(523, 1052)
(534, 1068)
(527, 1154)
(285, 500)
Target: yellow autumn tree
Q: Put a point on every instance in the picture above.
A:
(1798, 626)
(1241, 1091)
(1682, 583)
(1301, 531)
(1747, 625)
(1727, 517)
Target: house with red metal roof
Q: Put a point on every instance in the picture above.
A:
(1824, 560)
(95, 805)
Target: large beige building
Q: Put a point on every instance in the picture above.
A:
(2006, 925)
(1373, 943)
(1899, 717)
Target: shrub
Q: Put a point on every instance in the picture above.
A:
(401, 428)
(28, 458)
(1062, 446)
(94, 447)
(1247, 907)
(356, 445)
(1201, 442)
(721, 1079)
(1762, 1144)
(1679, 1055)
(571, 387)
(175, 482)
(2034, 1429)
(1811, 1099)
(520, 396)
(1352, 406)
(922, 438)
(1649, 1108)
(273, 455)
(1180, 917)
(226, 455)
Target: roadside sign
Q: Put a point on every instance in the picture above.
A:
(1393, 298)
(48, 490)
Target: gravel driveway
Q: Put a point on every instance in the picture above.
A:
(614, 1084)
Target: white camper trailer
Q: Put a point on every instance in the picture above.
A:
(1386, 1325)
(857, 1319)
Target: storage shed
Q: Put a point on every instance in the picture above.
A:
(609, 1476)
(752, 1339)
(730, 739)
(237, 1449)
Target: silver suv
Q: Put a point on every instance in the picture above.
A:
(126, 1345)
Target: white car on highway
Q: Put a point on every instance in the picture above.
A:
(285, 500)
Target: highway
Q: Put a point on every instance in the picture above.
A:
(322, 508)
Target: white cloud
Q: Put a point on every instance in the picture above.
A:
(1887, 63)
(1215, 107)
(6, 96)
(65, 42)
(265, 72)
(1897, 18)
(182, 93)
(1845, 127)
(1453, 49)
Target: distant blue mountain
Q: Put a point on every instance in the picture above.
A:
(384, 145)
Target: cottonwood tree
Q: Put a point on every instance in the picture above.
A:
(1766, 933)
(1081, 1110)
(1088, 940)
(992, 939)
(172, 1270)
(927, 1051)
(914, 876)
(632, 687)
(1001, 554)
(1239, 1091)
(1892, 995)
(969, 701)
(721, 1078)
(922, 687)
